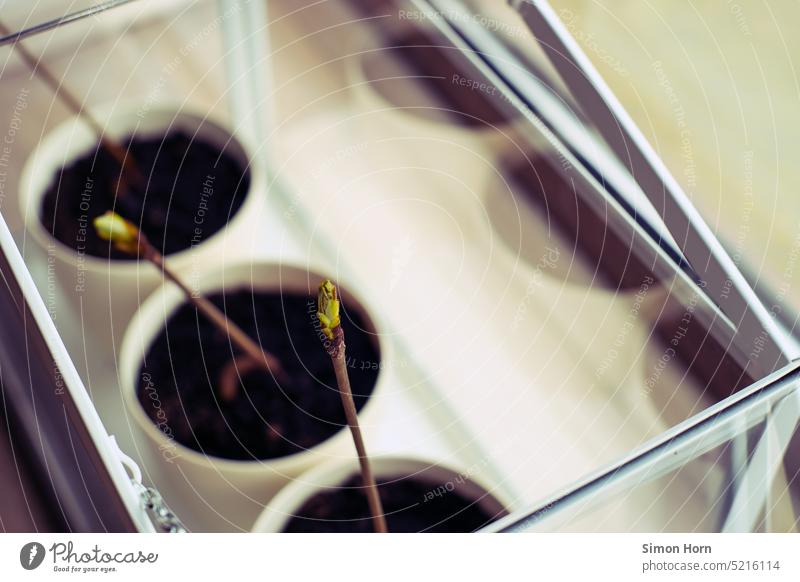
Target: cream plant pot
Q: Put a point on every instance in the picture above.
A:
(544, 342)
(333, 474)
(107, 292)
(572, 325)
(234, 489)
(403, 123)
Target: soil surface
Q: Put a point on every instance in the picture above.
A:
(410, 505)
(179, 384)
(187, 192)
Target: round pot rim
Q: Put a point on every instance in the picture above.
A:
(359, 80)
(31, 199)
(165, 300)
(296, 492)
(509, 260)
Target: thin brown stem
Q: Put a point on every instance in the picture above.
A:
(120, 154)
(266, 360)
(343, 380)
(236, 368)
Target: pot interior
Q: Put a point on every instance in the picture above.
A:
(185, 179)
(430, 499)
(424, 76)
(199, 389)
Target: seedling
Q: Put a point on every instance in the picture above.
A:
(130, 240)
(130, 171)
(328, 307)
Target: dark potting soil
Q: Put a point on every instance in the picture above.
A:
(189, 191)
(179, 387)
(411, 505)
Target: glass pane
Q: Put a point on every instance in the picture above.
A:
(527, 334)
(713, 86)
(731, 470)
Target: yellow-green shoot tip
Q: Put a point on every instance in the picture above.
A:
(122, 233)
(328, 307)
